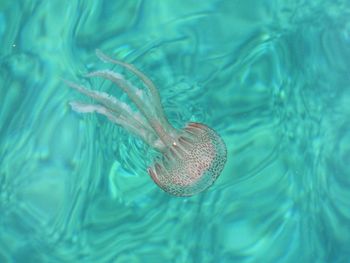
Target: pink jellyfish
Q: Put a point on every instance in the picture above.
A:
(191, 158)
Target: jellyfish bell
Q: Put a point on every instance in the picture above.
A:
(190, 160)
(192, 163)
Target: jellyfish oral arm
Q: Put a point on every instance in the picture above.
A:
(158, 117)
(149, 105)
(155, 98)
(118, 112)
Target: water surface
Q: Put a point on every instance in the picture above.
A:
(272, 77)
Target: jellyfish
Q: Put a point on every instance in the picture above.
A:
(190, 160)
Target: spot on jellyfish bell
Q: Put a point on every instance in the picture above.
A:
(190, 160)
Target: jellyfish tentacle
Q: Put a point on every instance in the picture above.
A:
(135, 97)
(148, 83)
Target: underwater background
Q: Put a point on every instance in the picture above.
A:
(271, 77)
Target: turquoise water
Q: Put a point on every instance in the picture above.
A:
(271, 77)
